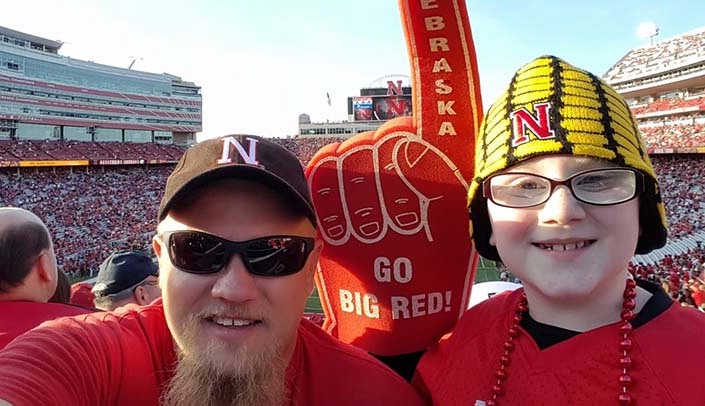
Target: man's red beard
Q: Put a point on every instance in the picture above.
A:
(217, 375)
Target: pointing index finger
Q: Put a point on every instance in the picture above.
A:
(447, 106)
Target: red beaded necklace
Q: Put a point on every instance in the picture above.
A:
(625, 346)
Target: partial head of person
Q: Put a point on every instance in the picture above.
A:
(126, 277)
(28, 269)
(82, 295)
(564, 192)
(62, 294)
(237, 252)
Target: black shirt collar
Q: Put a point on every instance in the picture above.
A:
(546, 335)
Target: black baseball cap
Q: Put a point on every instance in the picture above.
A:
(239, 156)
(121, 270)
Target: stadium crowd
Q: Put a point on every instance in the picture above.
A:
(94, 212)
(672, 123)
(661, 122)
(678, 51)
(663, 125)
(682, 131)
(89, 213)
(16, 150)
(682, 276)
(669, 104)
(305, 148)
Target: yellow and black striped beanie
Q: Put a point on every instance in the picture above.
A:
(552, 107)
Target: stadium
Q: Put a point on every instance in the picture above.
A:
(47, 96)
(90, 156)
(383, 99)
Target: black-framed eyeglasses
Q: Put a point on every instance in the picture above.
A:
(202, 253)
(599, 187)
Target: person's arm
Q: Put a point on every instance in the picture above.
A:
(60, 363)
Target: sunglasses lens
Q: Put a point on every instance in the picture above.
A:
(277, 256)
(196, 252)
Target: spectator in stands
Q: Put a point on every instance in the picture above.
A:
(564, 195)
(28, 274)
(237, 248)
(698, 294)
(62, 294)
(126, 277)
(658, 61)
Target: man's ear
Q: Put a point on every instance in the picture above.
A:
(46, 267)
(157, 246)
(313, 258)
(140, 296)
(317, 247)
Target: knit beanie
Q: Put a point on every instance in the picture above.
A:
(554, 108)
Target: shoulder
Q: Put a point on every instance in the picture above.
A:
(688, 322)
(472, 339)
(496, 309)
(678, 330)
(343, 374)
(37, 310)
(133, 328)
(149, 319)
(108, 355)
(325, 350)
(17, 317)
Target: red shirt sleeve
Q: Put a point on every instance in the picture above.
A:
(97, 359)
(53, 366)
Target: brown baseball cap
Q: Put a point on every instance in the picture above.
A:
(243, 157)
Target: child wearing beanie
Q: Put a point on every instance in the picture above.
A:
(564, 195)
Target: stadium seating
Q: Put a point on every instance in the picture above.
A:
(92, 211)
(670, 104)
(665, 55)
(31, 150)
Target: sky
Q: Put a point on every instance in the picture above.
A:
(262, 63)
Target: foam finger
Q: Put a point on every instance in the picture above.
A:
(447, 106)
(325, 191)
(360, 193)
(401, 205)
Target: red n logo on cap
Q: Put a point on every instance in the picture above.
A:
(523, 121)
(248, 157)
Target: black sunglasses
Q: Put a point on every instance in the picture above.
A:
(202, 253)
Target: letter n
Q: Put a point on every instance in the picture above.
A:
(393, 89)
(523, 122)
(249, 157)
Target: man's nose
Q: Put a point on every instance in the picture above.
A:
(235, 283)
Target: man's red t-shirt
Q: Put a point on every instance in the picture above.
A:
(17, 317)
(126, 358)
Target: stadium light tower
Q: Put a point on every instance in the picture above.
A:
(134, 59)
(647, 30)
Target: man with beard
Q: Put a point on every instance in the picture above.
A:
(237, 249)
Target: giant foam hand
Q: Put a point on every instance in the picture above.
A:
(398, 264)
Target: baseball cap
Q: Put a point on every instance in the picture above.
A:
(123, 269)
(239, 156)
